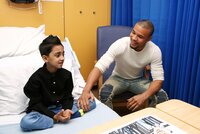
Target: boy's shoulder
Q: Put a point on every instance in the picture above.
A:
(42, 71)
(37, 72)
(63, 70)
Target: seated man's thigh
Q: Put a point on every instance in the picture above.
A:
(113, 86)
(139, 86)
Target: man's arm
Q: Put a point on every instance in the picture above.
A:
(137, 100)
(86, 95)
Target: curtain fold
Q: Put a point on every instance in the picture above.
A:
(177, 33)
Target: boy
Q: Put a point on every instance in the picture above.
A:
(50, 90)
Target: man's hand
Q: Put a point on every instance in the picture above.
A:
(83, 101)
(135, 102)
(62, 116)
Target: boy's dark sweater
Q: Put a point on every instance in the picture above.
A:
(45, 89)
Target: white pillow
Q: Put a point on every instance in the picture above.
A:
(17, 41)
(14, 73)
(74, 67)
(77, 78)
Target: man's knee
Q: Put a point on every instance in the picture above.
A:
(105, 92)
(161, 96)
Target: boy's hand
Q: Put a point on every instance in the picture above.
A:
(62, 116)
(67, 113)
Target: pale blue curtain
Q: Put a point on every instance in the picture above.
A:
(177, 33)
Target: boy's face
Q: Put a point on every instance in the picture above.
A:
(55, 58)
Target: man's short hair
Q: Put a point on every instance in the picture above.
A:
(48, 43)
(145, 23)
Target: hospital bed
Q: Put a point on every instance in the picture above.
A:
(19, 58)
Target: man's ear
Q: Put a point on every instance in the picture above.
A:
(45, 58)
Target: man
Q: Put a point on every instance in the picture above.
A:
(131, 56)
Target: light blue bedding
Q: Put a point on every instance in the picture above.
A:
(99, 115)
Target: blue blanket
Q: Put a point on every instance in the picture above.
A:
(99, 115)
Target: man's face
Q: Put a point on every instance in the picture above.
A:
(139, 36)
(55, 58)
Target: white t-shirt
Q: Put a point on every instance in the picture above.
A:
(130, 64)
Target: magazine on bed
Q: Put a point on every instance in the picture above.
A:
(146, 125)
